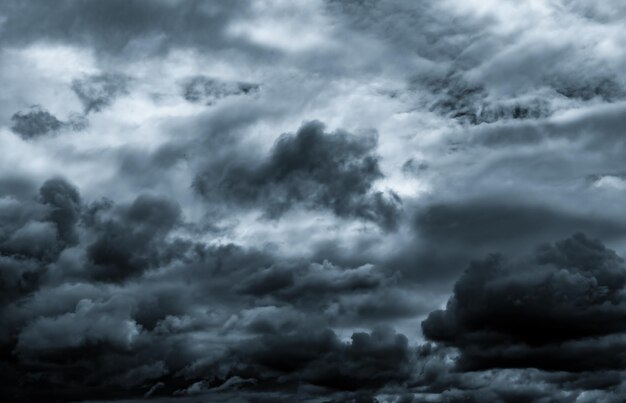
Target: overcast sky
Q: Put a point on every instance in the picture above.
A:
(321, 201)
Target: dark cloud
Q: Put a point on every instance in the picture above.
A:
(33, 233)
(64, 201)
(317, 357)
(97, 92)
(40, 230)
(560, 309)
(315, 280)
(312, 168)
(18, 186)
(350, 295)
(585, 89)
(453, 96)
(448, 234)
(119, 28)
(35, 123)
(38, 122)
(503, 222)
(130, 239)
(77, 326)
(196, 261)
(207, 90)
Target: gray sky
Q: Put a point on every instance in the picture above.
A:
(317, 201)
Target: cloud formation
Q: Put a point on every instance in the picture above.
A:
(557, 310)
(273, 201)
(34, 123)
(313, 168)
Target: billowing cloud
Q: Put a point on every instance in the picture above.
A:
(129, 239)
(312, 168)
(559, 309)
(273, 201)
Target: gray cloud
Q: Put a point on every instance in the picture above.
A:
(208, 90)
(97, 92)
(130, 239)
(313, 168)
(180, 248)
(119, 27)
(35, 123)
(558, 310)
(38, 122)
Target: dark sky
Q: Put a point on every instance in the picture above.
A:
(323, 201)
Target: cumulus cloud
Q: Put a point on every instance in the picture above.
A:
(368, 361)
(312, 168)
(557, 310)
(65, 204)
(129, 239)
(75, 273)
(180, 248)
(90, 323)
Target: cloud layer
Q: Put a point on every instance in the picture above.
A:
(346, 201)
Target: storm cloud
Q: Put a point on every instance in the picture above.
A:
(560, 309)
(325, 201)
(313, 168)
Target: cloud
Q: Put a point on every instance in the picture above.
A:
(33, 232)
(314, 169)
(64, 201)
(454, 97)
(91, 323)
(181, 248)
(504, 222)
(118, 27)
(35, 123)
(38, 122)
(559, 309)
(207, 90)
(130, 239)
(97, 92)
(105, 309)
(368, 362)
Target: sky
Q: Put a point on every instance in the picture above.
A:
(321, 201)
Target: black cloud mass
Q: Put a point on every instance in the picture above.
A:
(325, 201)
(560, 309)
